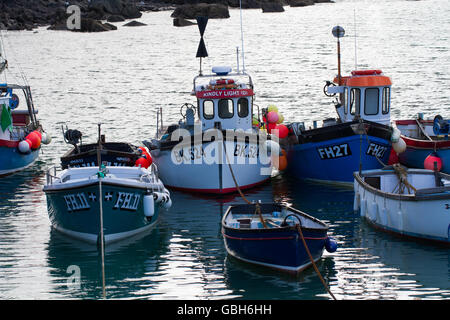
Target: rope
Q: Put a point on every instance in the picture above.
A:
(402, 176)
(299, 229)
(257, 208)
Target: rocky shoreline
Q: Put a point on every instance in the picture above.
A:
(31, 14)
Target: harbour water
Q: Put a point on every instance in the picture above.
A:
(120, 78)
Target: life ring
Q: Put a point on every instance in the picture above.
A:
(366, 72)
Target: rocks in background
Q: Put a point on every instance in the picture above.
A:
(30, 14)
(300, 3)
(272, 6)
(134, 24)
(192, 11)
(180, 22)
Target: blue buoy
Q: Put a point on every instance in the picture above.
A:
(331, 245)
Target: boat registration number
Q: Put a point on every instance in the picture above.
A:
(376, 150)
(335, 151)
(187, 155)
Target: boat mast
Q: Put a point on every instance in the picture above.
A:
(338, 32)
(201, 51)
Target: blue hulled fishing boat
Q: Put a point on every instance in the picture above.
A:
(359, 139)
(274, 235)
(112, 200)
(131, 199)
(21, 134)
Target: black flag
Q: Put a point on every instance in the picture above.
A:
(201, 51)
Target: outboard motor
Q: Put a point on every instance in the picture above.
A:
(441, 126)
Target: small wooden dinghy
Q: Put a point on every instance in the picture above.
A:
(272, 236)
(409, 202)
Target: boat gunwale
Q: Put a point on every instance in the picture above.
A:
(422, 144)
(423, 195)
(325, 227)
(321, 134)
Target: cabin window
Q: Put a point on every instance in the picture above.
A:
(208, 109)
(372, 96)
(386, 100)
(243, 107)
(226, 108)
(355, 100)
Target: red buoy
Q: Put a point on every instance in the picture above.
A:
(283, 131)
(431, 160)
(35, 140)
(143, 162)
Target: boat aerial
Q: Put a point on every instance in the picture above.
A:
(268, 234)
(125, 200)
(427, 143)
(359, 139)
(409, 202)
(21, 134)
(220, 150)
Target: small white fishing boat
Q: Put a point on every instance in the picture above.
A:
(214, 148)
(410, 202)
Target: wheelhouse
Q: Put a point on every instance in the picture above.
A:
(225, 101)
(365, 94)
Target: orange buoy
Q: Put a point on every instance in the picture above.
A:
(431, 160)
(282, 161)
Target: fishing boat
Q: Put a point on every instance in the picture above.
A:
(427, 142)
(221, 150)
(131, 199)
(360, 138)
(113, 153)
(21, 134)
(272, 234)
(414, 203)
(103, 202)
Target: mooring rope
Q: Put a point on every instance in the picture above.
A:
(257, 206)
(299, 229)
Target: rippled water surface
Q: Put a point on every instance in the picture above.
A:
(119, 79)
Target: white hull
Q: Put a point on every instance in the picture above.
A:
(208, 174)
(424, 214)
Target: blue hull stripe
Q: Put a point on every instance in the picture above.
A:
(337, 159)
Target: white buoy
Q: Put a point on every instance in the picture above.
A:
(271, 147)
(149, 205)
(46, 138)
(24, 146)
(399, 146)
(373, 211)
(356, 202)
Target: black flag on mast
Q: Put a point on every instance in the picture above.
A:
(201, 51)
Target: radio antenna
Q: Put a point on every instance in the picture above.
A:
(242, 37)
(354, 22)
(338, 32)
